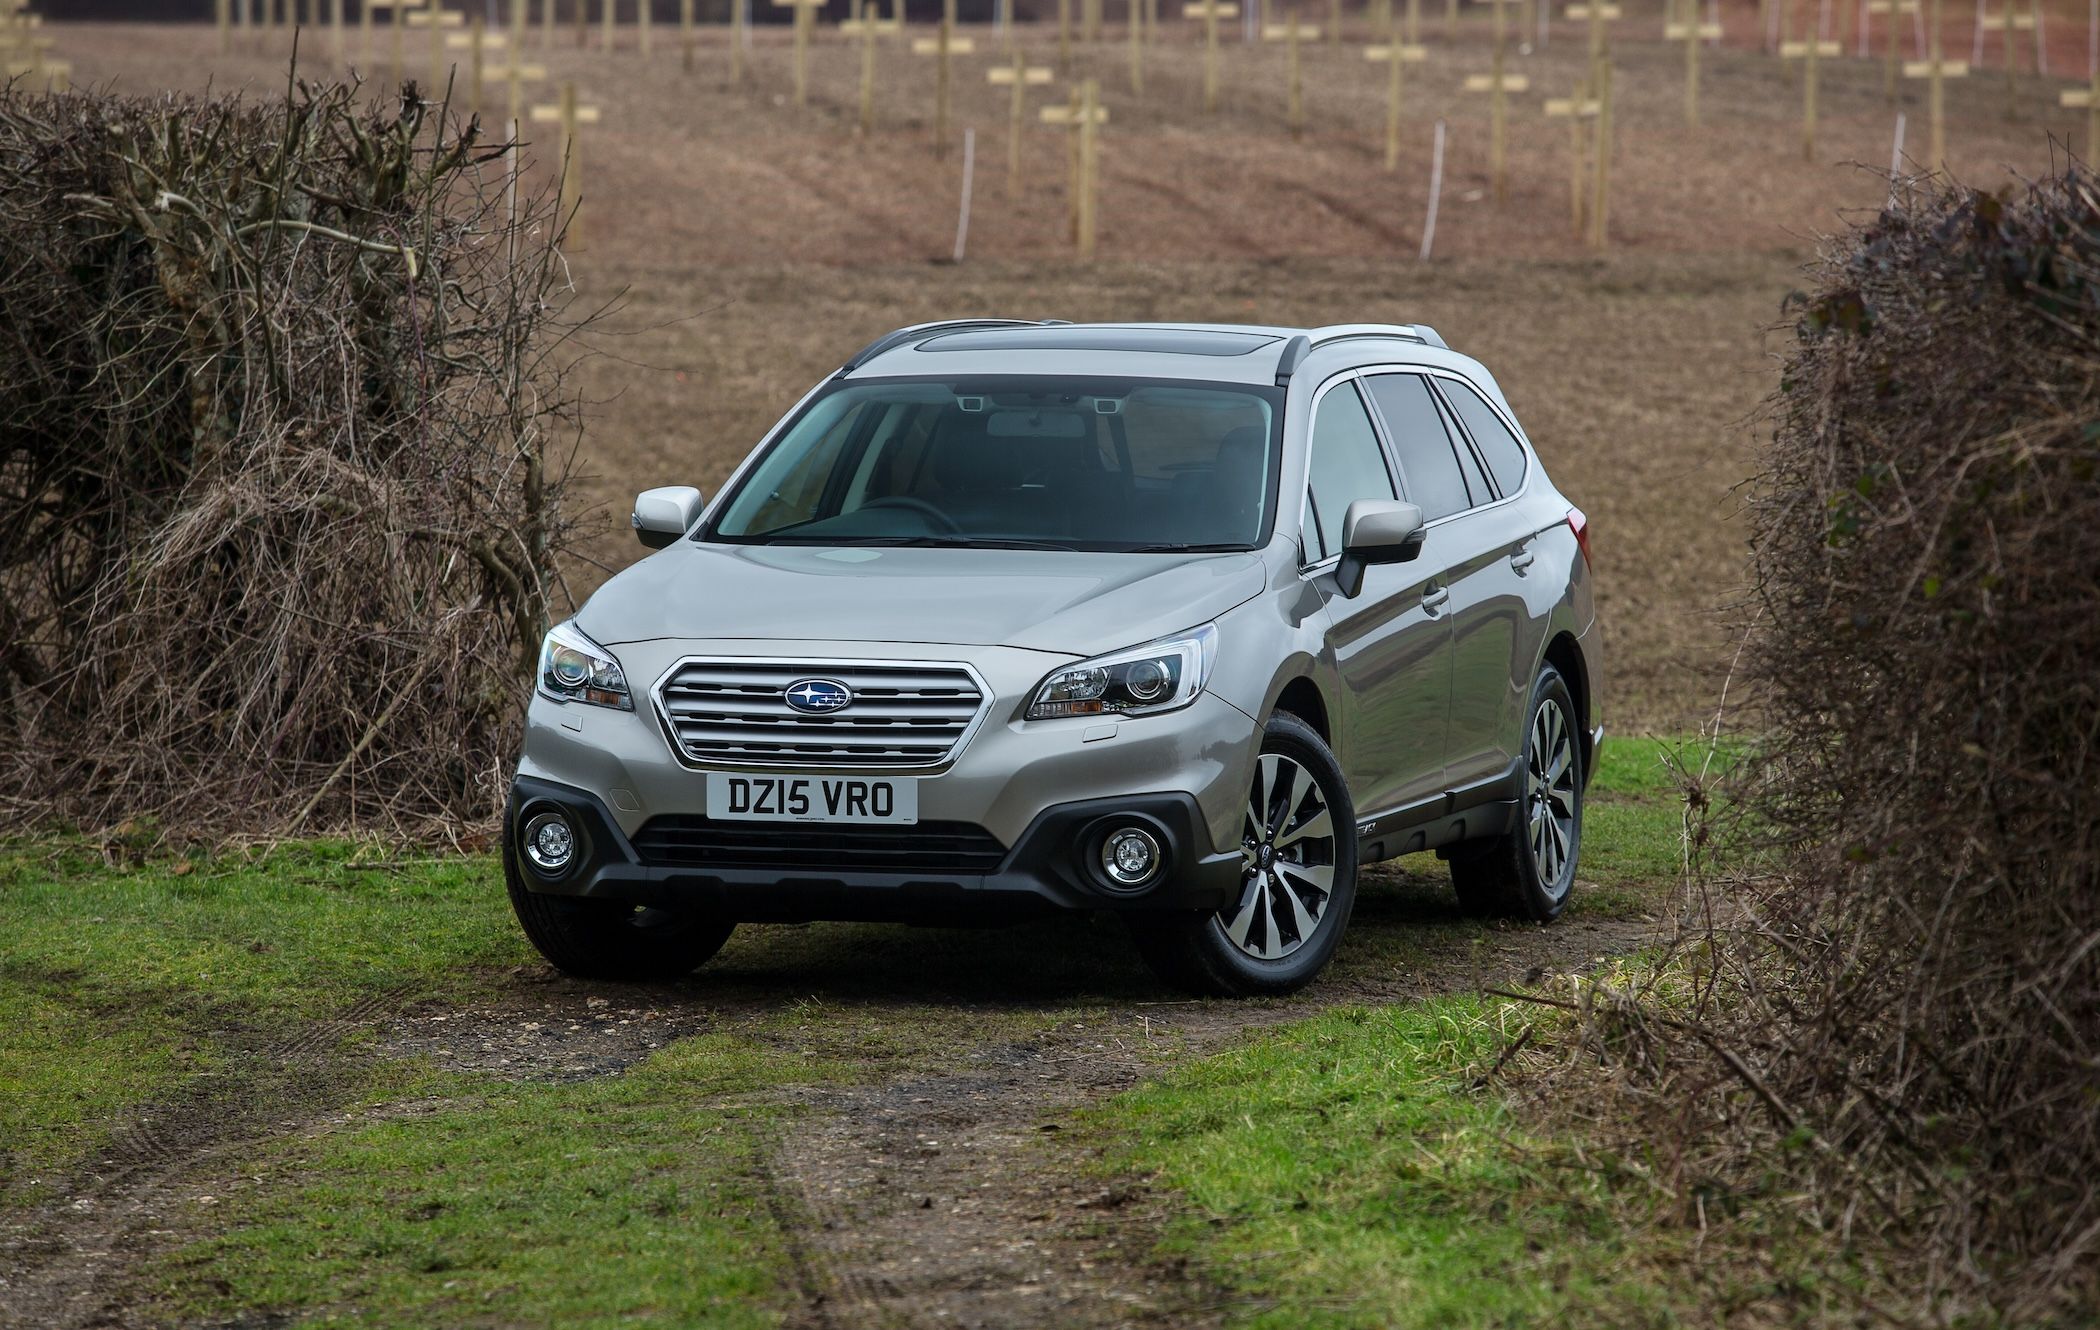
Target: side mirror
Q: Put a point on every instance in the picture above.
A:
(1376, 531)
(661, 516)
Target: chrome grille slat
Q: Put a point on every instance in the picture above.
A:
(904, 714)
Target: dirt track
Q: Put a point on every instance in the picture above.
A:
(949, 1195)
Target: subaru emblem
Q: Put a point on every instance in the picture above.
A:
(819, 695)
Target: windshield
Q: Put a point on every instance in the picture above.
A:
(1039, 462)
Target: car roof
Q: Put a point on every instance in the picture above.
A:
(1216, 352)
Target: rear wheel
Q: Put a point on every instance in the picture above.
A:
(1529, 873)
(1297, 880)
(600, 939)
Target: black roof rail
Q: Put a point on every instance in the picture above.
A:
(891, 340)
(1293, 356)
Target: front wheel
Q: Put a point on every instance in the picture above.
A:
(1297, 880)
(601, 939)
(1529, 872)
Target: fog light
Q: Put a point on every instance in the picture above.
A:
(549, 842)
(1130, 856)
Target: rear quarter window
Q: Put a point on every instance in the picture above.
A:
(1498, 447)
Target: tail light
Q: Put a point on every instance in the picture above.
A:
(1580, 525)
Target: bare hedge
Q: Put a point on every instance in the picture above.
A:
(283, 438)
(1890, 1029)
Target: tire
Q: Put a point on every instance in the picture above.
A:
(1259, 945)
(600, 939)
(1529, 873)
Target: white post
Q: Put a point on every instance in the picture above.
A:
(962, 220)
(1896, 155)
(1436, 190)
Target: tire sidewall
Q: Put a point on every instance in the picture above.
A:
(1285, 734)
(1551, 688)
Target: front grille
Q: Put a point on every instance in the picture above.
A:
(928, 847)
(901, 716)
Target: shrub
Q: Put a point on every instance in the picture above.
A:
(1894, 1034)
(283, 436)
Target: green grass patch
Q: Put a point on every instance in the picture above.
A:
(1345, 1172)
(116, 983)
(635, 1198)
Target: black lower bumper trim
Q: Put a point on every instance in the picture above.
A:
(1048, 868)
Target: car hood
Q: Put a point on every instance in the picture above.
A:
(1075, 603)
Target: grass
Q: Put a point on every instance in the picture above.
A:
(1344, 1171)
(1354, 1175)
(119, 983)
(604, 1202)
(1356, 1169)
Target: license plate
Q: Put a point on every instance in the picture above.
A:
(812, 799)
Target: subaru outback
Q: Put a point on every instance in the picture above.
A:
(1186, 623)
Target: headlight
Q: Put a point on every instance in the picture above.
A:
(573, 668)
(1158, 676)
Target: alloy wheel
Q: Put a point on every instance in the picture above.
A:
(1287, 861)
(1549, 795)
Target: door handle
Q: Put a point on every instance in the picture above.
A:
(1435, 597)
(1521, 559)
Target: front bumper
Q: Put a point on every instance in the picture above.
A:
(1035, 790)
(1049, 867)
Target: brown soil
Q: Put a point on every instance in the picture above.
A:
(750, 245)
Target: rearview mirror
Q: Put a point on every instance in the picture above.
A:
(1376, 531)
(661, 516)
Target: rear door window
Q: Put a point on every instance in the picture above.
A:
(1498, 447)
(1428, 465)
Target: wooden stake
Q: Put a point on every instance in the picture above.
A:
(868, 27)
(644, 28)
(1137, 48)
(569, 115)
(1600, 190)
(222, 13)
(1064, 35)
(1693, 32)
(1576, 109)
(1892, 61)
(1395, 54)
(1811, 53)
(1081, 117)
(546, 25)
(436, 21)
(1020, 76)
(2006, 24)
(943, 48)
(1292, 33)
(685, 35)
(737, 38)
(477, 42)
(515, 75)
(1937, 69)
(1498, 86)
(2087, 97)
(608, 19)
(1210, 11)
(805, 12)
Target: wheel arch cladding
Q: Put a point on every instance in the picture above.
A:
(1302, 698)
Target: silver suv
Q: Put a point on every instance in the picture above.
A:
(1181, 622)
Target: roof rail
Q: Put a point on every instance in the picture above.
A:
(1406, 332)
(892, 340)
(1292, 357)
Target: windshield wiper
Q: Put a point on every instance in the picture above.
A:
(1183, 547)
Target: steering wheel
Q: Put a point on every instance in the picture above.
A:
(945, 524)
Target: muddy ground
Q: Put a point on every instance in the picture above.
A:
(956, 1192)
